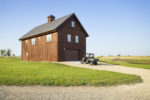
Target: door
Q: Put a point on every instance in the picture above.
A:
(71, 55)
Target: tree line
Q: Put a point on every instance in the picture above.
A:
(6, 52)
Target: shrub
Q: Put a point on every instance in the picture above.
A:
(118, 55)
(13, 55)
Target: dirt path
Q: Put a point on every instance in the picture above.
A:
(140, 91)
(144, 73)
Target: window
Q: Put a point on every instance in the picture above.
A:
(26, 41)
(76, 39)
(49, 38)
(72, 24)
(39, 38)
(33, 41)
(69, 37)
(26, 54)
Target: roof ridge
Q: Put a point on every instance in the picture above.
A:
(54, 20)
(46, 27)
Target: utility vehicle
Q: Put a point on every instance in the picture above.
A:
(89, 59)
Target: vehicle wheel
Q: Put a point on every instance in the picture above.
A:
(82, 62)
(91, 63)
(95, 63)
(87, 61)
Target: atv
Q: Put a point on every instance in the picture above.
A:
(89, 59)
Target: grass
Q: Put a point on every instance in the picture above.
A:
(15, 72)
(129, 61)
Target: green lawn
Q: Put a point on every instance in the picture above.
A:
(129, 61)
(15, 72)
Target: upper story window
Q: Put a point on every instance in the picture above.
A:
(69, 37)
(33, 41)
(72, 23)
(49, 38)
(76, 39)
(39, 38)
(26, 41)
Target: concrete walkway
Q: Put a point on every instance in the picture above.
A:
(140, 91)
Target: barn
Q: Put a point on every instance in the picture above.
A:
(62, 39)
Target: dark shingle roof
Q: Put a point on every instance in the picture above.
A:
(46, 27)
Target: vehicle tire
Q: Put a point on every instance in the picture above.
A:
(82, 62)
(87, 62)
(91, 63)
(95, 63)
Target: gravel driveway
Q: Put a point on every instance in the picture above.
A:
(139, 91)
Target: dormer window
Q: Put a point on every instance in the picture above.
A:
(33, 41)
(69, 37)
(72, 23)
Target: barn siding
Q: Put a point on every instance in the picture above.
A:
(62, 36)
(41, 51)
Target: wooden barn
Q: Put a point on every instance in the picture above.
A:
(63, 39)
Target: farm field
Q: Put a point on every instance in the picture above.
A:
(130, 61)
(15, 72)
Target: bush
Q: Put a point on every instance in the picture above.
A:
(118, 55)
(13, 55)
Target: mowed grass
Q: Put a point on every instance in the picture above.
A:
(130, 61)
(15, 72)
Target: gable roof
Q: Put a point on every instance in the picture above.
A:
(48, 27)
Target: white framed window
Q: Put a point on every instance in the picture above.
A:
(72, 23)
(26, 41)
(76, 39)
(49, 38)
(69, 37)
(33, 41)
(39, 38)
(27, 54)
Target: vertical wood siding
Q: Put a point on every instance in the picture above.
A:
(42, 50)
(63, 45)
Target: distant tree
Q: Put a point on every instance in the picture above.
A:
(3, 52)
(101, 56)
(109, 55)
(13, 55)
(8, 52)
(118, 55)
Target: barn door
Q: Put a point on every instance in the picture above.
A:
(71, 55)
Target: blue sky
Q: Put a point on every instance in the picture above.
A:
(115, 26)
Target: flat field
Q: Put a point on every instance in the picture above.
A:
(129, 61)
(15, 72)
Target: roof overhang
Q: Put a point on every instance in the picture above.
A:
(40, 34)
